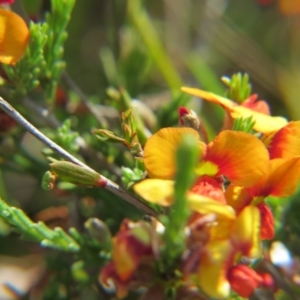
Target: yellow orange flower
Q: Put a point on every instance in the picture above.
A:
(281, 180)
(237, 237)
(239, 156)
(263, 122)
(14, 37)
(131, 245)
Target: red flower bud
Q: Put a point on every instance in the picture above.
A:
(244, 280)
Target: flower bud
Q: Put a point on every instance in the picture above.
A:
(70, 172)
(244, 280)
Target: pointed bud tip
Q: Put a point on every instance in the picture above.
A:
(183, 111)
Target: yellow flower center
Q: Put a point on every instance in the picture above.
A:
(206, 168)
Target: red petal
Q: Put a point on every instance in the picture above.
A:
(259, 106)
(244, 280)
(267, 222)
(210, 187)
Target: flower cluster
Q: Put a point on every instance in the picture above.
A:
(229, 217)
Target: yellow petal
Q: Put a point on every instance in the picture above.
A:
(263, 123)
(240, 156)
(211, 97)
(14, 37)
(157, 191)
(237, 197)
(246, 232)
(212, 272)
(160, 149)
(206, 205)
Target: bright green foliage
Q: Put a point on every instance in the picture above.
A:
(65, 137)
(57, 22)
(48, 180)
(130, 130)
(245, 125)
(175, 221)
(43, 61)
(239, 88)
(131, 176)
(39, 232)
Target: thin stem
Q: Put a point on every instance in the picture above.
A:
(43, 114)
(109, 185)
(84, 100)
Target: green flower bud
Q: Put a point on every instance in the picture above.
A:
(48, 180)
(70, 172)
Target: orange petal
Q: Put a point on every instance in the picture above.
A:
(14, 37)
(160, 149)
(267, 222)
(157, 191)
(285, 143)
(246, 232)
(206, 205)
(240, 156)
(281, 179)
(237, 197)
(125, 262)
(289, 7)
(263, 122)
(213, 269)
